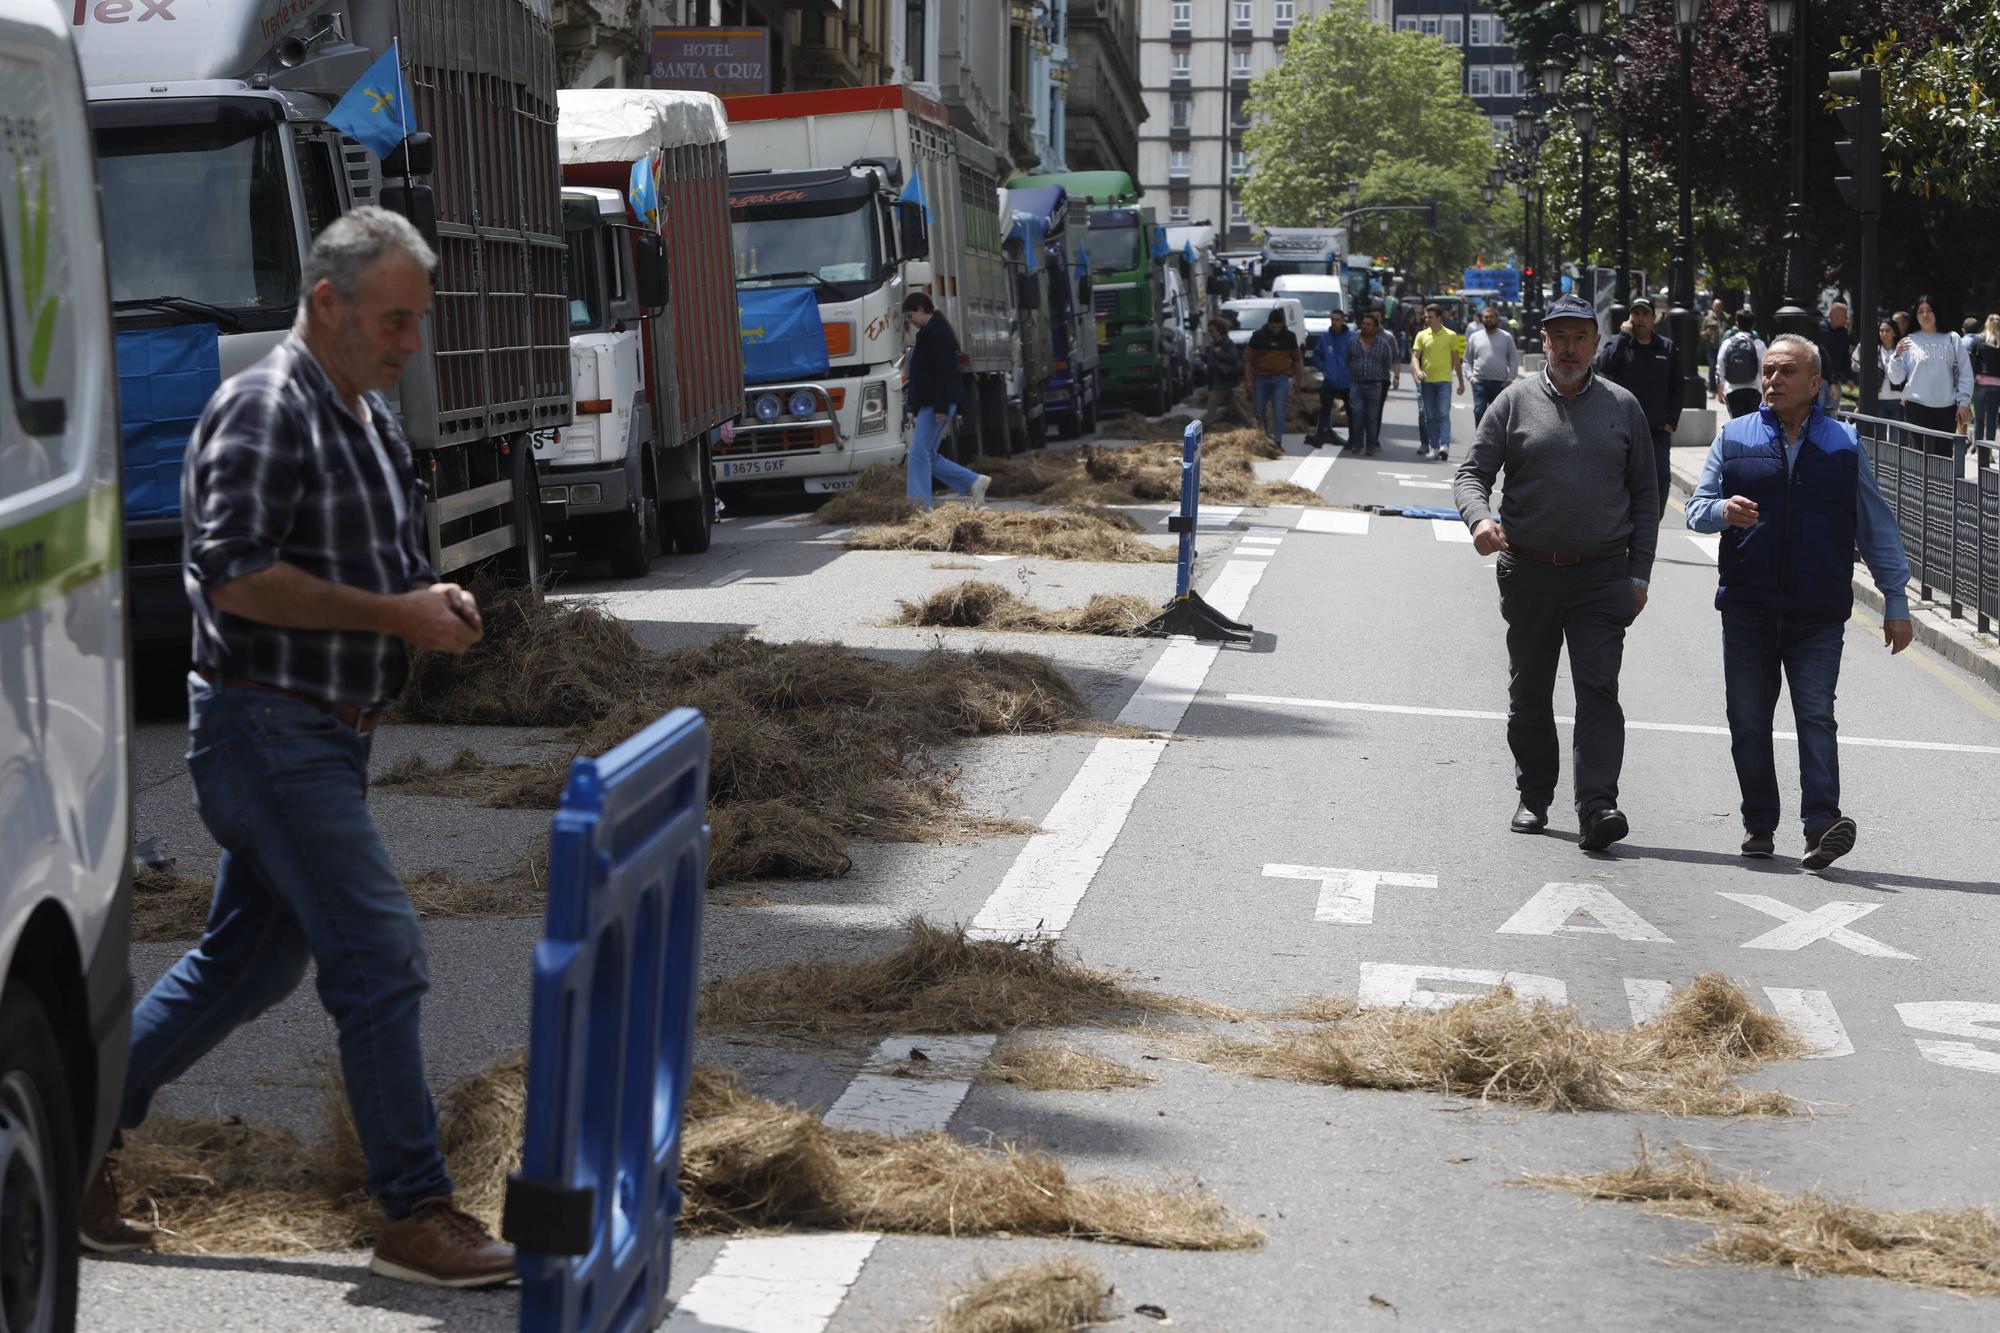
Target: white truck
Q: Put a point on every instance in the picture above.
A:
(864, 195)
(218, 168)
(65, 774)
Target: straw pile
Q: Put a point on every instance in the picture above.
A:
(1133, 426)
(878, 495)
(1810, 1233)
(936, 980)
(1047, 1066)
(1681, 1062)
(746, 1163)
(1080, 533)
(1053, 1296)
(975, 604)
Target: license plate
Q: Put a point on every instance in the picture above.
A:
(826, 485)
(753, 467)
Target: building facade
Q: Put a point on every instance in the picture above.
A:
(1107, 103)
(1493, 80)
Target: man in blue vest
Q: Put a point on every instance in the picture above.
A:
(1794, 496)
(1330, 357)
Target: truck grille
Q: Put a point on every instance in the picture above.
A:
(1104, 303)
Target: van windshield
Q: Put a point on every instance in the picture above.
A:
(1317, 303)
(201, 213)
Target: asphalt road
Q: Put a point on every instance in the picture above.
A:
(1329, 817)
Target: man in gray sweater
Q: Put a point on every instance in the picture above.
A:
(1575, 536)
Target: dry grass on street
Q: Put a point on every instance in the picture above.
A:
(1057, 1295)
(978, 604)
(1053, 1066)
(1498, 1046)
(1105, 536)
(1809, 1233)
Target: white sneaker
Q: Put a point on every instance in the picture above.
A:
(978, 491)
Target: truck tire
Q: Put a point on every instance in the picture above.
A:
(40, 1177)
(1068, 425)
(527, 564)
(1160, 402)
(1089, 422)
(631, 539)
(691, 522)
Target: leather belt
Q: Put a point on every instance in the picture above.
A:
(363, 720)
(1560, 558)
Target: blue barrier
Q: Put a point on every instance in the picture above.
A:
(611, 1035)
(1188, 613)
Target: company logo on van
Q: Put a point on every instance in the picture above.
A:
(120, 11)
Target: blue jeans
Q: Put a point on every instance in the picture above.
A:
(304, 876)
(925, 461)
(1270, 392)
(1986, 412)
(1434, 413)
(1364, 414)
(1829, 396)
(1757, 647)
(1483, 394)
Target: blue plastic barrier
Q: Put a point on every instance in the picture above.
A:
(611, 1034)
(1188, 613)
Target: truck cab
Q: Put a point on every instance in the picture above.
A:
(65, 768)
(1133, 358)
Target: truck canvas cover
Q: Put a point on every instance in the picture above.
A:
(782, 336)
(625, 124)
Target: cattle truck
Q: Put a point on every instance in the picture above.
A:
(1069, 391)
(217, 169)
(862, 196)
(655, 361)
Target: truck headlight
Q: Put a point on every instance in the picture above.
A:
(874, 406)
(767, 407)
(802, 403)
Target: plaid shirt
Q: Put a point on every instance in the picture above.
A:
(279, 469)
(1373, 365)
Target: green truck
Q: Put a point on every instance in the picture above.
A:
(1125, 245)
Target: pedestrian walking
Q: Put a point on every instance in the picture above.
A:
(1905, 321)
(1794, 496)
(1492, 361)
(305, 564)
(1936, 374)
(1575, 537)
(1739, 366)
(1644, 365)
(1889, 390)
(1330, 359)
(1271, 371)
(1835, 341)
(1710, 341)
(1225, 373)
(1374, 366)
(1434, 363)
(932, 393)
(1986, 382)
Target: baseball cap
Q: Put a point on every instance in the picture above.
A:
(1642, 303)
(1569, 307)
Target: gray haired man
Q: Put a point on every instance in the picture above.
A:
(305, 564)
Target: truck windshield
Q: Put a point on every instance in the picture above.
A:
(832, 243)
(1114, 249)
(201, 213)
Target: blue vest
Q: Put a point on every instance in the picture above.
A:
(1799, 557)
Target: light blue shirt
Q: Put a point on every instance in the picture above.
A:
(1875, 533)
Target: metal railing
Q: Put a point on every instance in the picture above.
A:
(1950, 523)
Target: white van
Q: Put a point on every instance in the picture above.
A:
(1253, 311)
(65, 807)
(1320, 294)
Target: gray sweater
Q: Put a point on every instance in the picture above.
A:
(1579, 472)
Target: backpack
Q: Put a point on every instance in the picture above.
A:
(1739, 359)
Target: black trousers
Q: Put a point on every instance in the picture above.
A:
(1327, 396)
(1931, 418)
(1743, 402)
(1663, 454)
(1587, 607)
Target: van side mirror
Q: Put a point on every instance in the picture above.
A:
(419, 205)
(916, 232)
(649, 272)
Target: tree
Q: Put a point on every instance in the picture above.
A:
(1351, 98)
(1941, 105)
(1437, 256)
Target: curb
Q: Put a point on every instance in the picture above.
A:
(1954, 640)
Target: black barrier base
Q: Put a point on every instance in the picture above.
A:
(548, 1218)
(1189, 614)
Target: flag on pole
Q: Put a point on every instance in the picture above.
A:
(913, 192)
(645, 190)
(376, 112)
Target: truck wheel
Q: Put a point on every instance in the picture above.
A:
(1160, 402)
(40, 1178)
(631, 540)
(691, 522)
(1089, 422)
(1068, 425)
(527, 564)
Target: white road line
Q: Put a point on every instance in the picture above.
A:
(1230, 593)
(1809, 1013)
(1450, 530)
(1338, 521)
(992, 559)
(1311, 474)
(1394, 986)
(785, 522)
(1347, 897)
(1426, 485)
(1683, 728)
(1221, 516)
(1710, 546)
(895, 1093)
(729, 578)
(1255, 552)
(1645, 997)
(1261, 539)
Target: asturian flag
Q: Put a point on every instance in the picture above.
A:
(376, 111)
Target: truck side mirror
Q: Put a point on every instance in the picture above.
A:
(415, 156)
(916, 232)
(419, 205)
(1083, 287)
(649, 274)
(1028, 291)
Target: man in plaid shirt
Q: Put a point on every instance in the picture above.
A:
(306, 568)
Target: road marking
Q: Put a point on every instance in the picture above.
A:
(1709, 546)
(1311, 474)
(1261, 539)
(1256, 552)
(1958, 1018)
(1219, 517)
(1828, 922)
(896, 1094)
(1550, 910)
(1645, 998)
(1347, 897)
(1809, 1014)
(1683, 728)
(1426, 485)
(785, 522)
(1394, 985)
(1333, 520)
(729, 578)
(994, 559)
(1979, 696)
(1450, 530)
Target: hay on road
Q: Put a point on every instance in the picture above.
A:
(1133, 426)
(1810, 1233)
(878, 495)
(1050, 1066)
(976, 604)
(1681, 1062)
(936, 980)
(1065, 534)
(1053, 1296)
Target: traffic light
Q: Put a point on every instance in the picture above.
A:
(1861, 151)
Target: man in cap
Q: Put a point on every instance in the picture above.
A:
(1575, 553)
(1643, 364)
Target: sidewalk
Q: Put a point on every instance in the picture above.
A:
(1957, 641)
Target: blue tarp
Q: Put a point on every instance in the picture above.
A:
(1028, 229)
(782, 335)
(165, 378)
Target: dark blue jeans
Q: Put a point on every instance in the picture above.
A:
(1364, 408)
(304, 876)
(1757, 648)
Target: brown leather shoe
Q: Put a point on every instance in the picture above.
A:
(99, 1224)
(441, 1245)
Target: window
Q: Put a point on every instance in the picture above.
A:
(1479, 81)
(913, 39)
(1183, 15)
(1428, 25)
(1183, 112)
(1503, 129)
(1486, 31)
(1239, 162)
(1239, 64)
(1504, 81)
(1177, 213)
(1237, 217)
(1283, 13)
(1240, 13)
(1181, 63)
(1179, 164)
(1453, 30)
(1407, 24)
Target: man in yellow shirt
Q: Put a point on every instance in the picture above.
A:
(1436, 356)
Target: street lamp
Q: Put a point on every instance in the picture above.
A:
(1621, 78)
(1687, 13)
(1584, 118)
(1552, 77)
(1353, 195)
(1590, 17)
(1788, 18)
